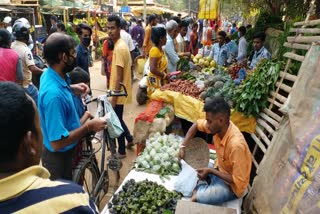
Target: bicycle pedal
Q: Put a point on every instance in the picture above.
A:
(115, 164)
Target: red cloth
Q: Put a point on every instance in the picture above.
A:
(8, 64)
(150, 112)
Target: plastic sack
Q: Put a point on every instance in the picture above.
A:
(114, 126)
(187, 180)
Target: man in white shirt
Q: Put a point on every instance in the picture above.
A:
(126, 37)
(21, 33)
(180, 40)
(7, 22)
(243, 45)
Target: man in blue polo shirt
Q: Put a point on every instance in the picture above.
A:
(60, 122)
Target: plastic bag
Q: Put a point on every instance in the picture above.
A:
(114, 126)
(187, 180)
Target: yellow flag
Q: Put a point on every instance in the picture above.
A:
(208, 9)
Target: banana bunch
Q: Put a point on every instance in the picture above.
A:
(79, 21)
(103, 22)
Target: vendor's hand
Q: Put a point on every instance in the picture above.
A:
(80, 88)
(181, 152)
(203, 173)
(96, 124)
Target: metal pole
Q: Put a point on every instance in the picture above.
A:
(189, 7)
(145, 11)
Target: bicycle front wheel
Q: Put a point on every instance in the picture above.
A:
(87, 175)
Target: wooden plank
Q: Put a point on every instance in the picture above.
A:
(294, 56)
(284, 87)
(259, 143)
(269, 119)
(308, 23)
(305, 30)
(272, 114)
(278, 96)
(265, 125)
(303, 39)
(297, 46)
(188, 207)
(274, 102)
(287, 76)
(263, 135)
(255, 162)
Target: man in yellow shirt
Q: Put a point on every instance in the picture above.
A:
(230, 176)
(147, 43)
(120, 73)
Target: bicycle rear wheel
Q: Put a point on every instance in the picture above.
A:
(87, 175)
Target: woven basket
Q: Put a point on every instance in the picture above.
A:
(197, 153)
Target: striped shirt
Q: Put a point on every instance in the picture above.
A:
(31, 191)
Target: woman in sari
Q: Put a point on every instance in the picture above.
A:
(157, 74)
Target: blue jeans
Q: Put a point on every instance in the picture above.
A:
(215, 191)
(33, 92)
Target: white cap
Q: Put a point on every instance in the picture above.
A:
(7, 19)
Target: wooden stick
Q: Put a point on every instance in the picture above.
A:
(273, 102)
(265, 125)
(305, 30)
(272, 115)
(284, 87)
(303, 39)
(270, 120)
(263, 135)
(294, 56)
(308, 23)
(287, 76)
(259, 143)
(297, 46)
(278, 96)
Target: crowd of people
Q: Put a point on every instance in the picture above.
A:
(53, 116)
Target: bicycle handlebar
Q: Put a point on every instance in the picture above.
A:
(111, 93)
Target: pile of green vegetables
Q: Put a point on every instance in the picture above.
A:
(144, 197)
(251, 96)
(160, 155)
(219, 85)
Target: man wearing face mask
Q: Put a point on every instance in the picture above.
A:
(59, 119)
(84, 33)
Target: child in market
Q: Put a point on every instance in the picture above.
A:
(78, 75)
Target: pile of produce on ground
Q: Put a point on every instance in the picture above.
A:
(160, 155)
(204, 61)
(185, 87)
(219, 85)
(251, 96)
(144, 197)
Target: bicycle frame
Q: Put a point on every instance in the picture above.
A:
(106, 140)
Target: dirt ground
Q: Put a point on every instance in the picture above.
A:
(131, 111)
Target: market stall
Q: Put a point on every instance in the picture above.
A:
(158, 168)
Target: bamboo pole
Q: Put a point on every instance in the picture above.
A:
(297, 46)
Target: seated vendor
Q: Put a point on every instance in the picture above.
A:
(230, 176)
(260, 52)
(220, 51)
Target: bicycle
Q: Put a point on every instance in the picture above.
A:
(97, 183)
